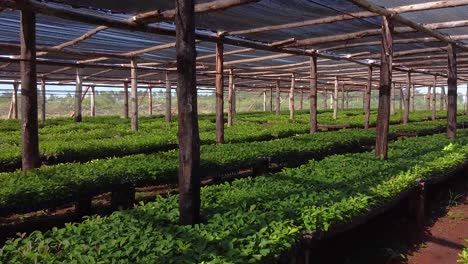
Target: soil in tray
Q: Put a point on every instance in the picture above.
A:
(392, 238)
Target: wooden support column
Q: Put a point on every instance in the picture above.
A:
(278, 98)
(428, 99)
(219, 94)
(392, 103)
(134, 95)
(325, 100)
(291, 96)
(168, 114)
(452, 92)
(271, 99)
(189, 141)
(342, 97)
(383, 117)
(466, 99)
(407, 98)
(43, 101)
(301, 105)
(347, 100)
(15, 98)
(434, 99)
(335, 98)
(78, 92)
(150, 99)
(29, 122)
(367, 99)
(125, 110)
(402, 96)
(442, 98)
(313, 94)
(413, 91)
(93, 101)
(231, 98)
(264, 101)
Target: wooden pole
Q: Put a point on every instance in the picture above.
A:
(125, 110)
(78, 92)
(413, 91)
(442, 98)
(219, 93)
(278, 98)
(15, 98)
(367, 99)
(271, 99)
(168, 115)
(325, 100)
(301, 105)
(392, 104)
(150, 97)
(347, 100)
(10, 112)
(264, 101)
(434, 99)
(93, 101)
(402, 96)
(428, 99)
(134, 95)
(407, 98)
(466, 99)
(342, 96)
(43, 101)
(189, 141)
(383, 117)
(313, 94)
(231, 98)
(452, 92)
(335, 99)
(291, 96)
(29, 122)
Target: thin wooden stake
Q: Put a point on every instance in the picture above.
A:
(407, 98)
(125, 110)
(313, 94)
(428, 99)
(452, 92)
(93, 101)
(278, 98)
(43, 100)
(29, 122)
(134, 95)
(413, 91)
(383, 117)
(367, 99)
(442, 98)
(301, 105)
(392, 104)
(78, 92)
(434, 99)
(150, 99)
(231, 98)
(335, 99)
(291, 96)
(271, 99)
(168, 115)
(264, 101)
(219, 93)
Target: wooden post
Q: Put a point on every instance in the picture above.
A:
(332, 101)
(43, 101)
(466, 99)
(125, 110)
(15, 98)
(150, 99)
(434, 99)
(407, 98)
(134, 94)
(335, 99)
(325, 100)
(271, 99)
(301, 105)
(413, 91)
(93, 101)
(29, 122)
(264, 101)
(189, 141)
(313, 94)
(442, 98)
(291, 97)
(452, 92)
(402, 96)
(78, 92)
(231, 98)
(383, 117)
(392, 104)
(168, 115)
(367, 98)
(278, 98)
(347, 100)
(219, 93)
(342, 96)
(428, 99)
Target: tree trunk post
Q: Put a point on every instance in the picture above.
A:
(134, 94)
(78, 93)
(231, 98)
(125, 110)
(43, 100)
(335, 98)
(313, 94)
(219, 93)
(189, 141)
(452, 92)
(383, 117)
(407, 98)
(342, 96)
(93, 101)
(291, 96)
(442, 98)
(347, 100)
(278, 98)
(428, 99)
(413, 91)
(301, 105)
(367, 99)
(271, 99)
(402, 98)
(29, 122)
(434, 99)
(168, 114)
(325, 100)
(264, 101)
(392, 103)
(150, 99)
(15, 98)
